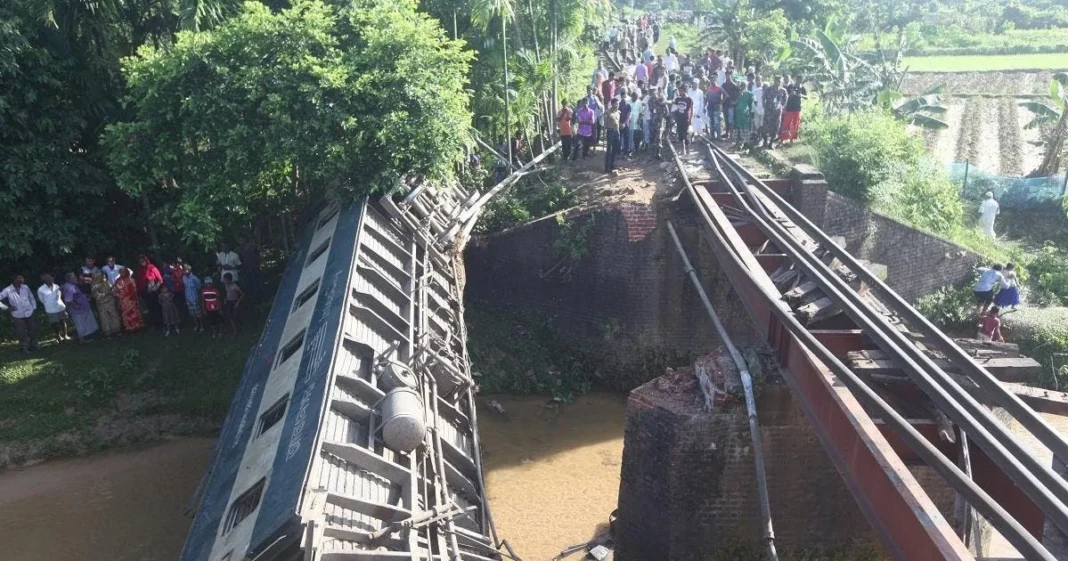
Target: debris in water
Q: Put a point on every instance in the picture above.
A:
(496, 406)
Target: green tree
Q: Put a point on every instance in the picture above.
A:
(750, 34)
(269, 111)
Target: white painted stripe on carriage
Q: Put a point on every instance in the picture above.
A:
(260, 451)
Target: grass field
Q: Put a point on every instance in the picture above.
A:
(1053, 61)
(73, 398)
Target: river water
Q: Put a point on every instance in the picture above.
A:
(552, 475)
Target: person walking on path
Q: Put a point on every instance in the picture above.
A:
(1008, 295)
(106, 305)
(989, 278)
(192, 297)
(81, 313)
(988, 210)
(129, 308)
(659, 113)
(791, 117)
(563, 119)
(51, 296)
(21, 302)
(611, 126)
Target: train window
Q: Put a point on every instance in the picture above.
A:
(244, 506)
(319, 251)
(291, 348)
(271, 416)
(329, 216)
(306, 295)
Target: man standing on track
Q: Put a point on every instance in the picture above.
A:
(683, 117)
(611, 126)
(658, 121)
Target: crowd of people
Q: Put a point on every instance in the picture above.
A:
(655, 97)
(114, 299)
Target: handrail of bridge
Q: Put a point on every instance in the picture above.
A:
(750, 400)
(986, 381)
(1008, 526)
(1039, 482)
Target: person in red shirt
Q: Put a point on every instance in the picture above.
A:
(213, 306)
(990, 328)
(149, 280)
(608, 88)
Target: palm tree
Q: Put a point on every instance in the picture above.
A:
(1052, 118)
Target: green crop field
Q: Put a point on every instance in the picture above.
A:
(972, 63)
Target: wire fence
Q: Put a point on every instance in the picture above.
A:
(1011, 192)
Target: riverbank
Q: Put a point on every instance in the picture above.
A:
(70, 399)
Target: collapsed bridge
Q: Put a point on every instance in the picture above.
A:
(883, 388)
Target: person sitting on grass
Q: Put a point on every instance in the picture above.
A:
(990, 328)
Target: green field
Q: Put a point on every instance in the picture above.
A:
(979, 63)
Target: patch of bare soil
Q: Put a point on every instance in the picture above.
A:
(638, 180)
(1006, 83)
(1010, 146)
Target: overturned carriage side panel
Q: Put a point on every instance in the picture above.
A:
(303, 417)
(239, 423)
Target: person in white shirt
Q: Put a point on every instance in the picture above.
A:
(111, 270)
(21, 302)
(756, 124)
(671, 62)
(227, 260)
(698, 97)
(51, 298)
(987, 211)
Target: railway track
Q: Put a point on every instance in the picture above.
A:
(882, 386)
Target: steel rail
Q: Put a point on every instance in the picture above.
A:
(1000, 519)
(1038, 482)
(1009, 401)
(768, 528)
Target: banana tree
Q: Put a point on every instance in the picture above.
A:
(1052, 119)
(922, 111)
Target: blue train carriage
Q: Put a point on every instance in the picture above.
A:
(352, 434)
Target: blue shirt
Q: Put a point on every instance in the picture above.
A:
(987, 279)
(192, 288)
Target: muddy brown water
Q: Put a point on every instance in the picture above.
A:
(552, 475)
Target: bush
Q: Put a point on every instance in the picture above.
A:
(528, 200)
(950, 307)
(1042, 334)
(1048, 271)
(871, 156)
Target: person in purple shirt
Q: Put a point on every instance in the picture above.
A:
(641, 74)
(586, 118)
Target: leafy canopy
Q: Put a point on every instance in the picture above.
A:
(268, 109)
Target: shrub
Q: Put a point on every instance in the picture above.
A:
(950, 307)
(1048, 271)
(526, 201)
(1042, 334)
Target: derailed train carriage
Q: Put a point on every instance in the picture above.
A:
(352, 434)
